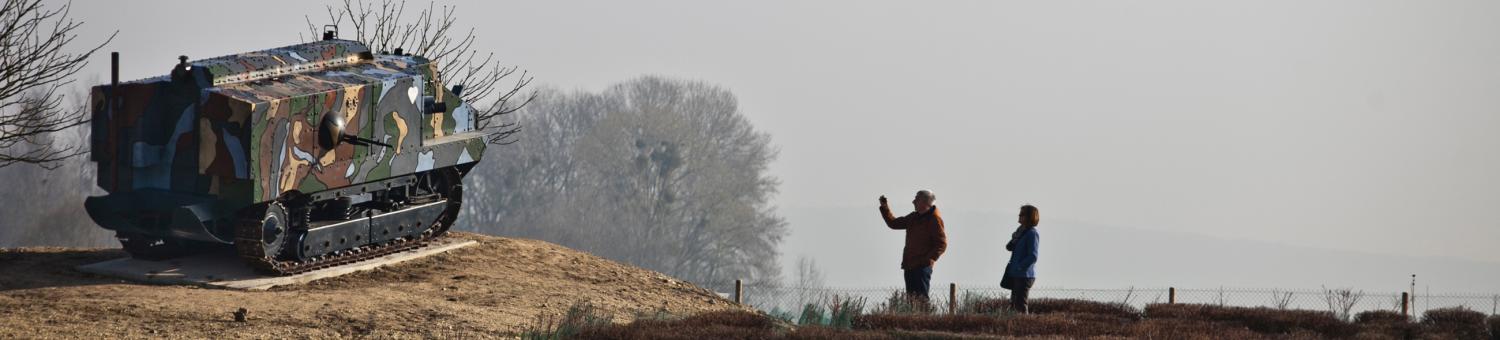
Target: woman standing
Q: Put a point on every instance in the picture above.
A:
(1020, 273)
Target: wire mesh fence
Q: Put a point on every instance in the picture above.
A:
(1342, 302)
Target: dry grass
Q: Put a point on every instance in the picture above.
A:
(1063, 318)
(1258, 319)
(1455, 323)
(1384, 324)
(1119, 310)
(1380, 317)
(712, 325)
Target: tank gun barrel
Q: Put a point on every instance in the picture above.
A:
(357, 140)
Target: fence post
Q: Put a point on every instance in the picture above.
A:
(1405, 308)
(739, 291)
(952, 298)
(1171, 295)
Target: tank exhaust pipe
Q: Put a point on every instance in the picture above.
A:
(114, 70)
(102, 124)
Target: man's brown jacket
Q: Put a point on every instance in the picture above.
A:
(925, 238)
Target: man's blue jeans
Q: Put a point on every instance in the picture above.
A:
(918, 281)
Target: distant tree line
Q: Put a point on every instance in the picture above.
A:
(660, 173)
(42, 128)
(44, 207)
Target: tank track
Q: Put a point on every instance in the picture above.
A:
(248, 235)
(247, 241)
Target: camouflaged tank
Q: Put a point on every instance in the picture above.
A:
(300, 157)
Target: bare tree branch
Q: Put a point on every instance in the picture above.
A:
(493, 89)
(34, 65)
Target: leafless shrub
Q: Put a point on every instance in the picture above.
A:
(842, 311)
(1341, 301)
(901, 303)
(1280, 299)
(580, 317)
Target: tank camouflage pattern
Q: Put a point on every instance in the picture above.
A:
(288, 141)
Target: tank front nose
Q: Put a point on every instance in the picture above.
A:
(106, 212)
(158, 214)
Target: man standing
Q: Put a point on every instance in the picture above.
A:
(925, 241)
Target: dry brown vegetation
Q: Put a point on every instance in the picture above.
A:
(493, 289)
(1064, 318)
(1494, 322)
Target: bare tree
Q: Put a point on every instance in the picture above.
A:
(808, 274)
(35, 64)
(493, 89)
(807, 282)
(660, 173)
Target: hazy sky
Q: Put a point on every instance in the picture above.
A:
(1350, 125)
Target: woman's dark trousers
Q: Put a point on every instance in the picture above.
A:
(1020, 290)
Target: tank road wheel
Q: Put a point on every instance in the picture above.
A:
(274, 236)
(275, 229)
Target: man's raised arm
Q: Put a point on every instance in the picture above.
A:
(891, 220)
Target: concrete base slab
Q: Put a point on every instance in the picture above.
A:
(225, 270)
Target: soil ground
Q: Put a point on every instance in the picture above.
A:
(497, 288)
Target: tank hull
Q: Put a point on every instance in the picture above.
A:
(300, 138)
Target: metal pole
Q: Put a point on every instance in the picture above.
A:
(112, 103)
(1171, 295)
(1413, 294)
(739, 291)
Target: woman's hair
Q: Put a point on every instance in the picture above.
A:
(1030, 211)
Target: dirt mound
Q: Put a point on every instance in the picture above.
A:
(493, 289)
